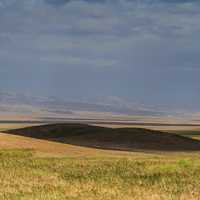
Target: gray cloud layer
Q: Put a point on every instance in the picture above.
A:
(146, 50)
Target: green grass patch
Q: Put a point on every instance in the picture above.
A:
(24, 176)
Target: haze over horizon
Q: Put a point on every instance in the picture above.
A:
(141, 51)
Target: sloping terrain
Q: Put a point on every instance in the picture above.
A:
(130, 139)
(44, 147)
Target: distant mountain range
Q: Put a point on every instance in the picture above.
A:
(15, 102)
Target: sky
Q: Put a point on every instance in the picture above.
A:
(143, 51)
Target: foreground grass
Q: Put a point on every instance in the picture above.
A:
(24, 176)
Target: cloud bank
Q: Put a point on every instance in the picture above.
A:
(145, 50)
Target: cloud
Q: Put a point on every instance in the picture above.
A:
(57, 2)
(120, 47)
(63, 2)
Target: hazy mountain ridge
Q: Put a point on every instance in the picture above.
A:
(12, 101)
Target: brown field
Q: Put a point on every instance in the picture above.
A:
(123, 139)
(50, 148)
(42, 147)
(39, 169)
(41, 144)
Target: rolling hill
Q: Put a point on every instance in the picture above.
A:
(129, 139)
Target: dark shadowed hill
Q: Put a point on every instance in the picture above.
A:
(106, 138)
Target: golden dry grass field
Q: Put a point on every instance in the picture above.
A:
(45, 170)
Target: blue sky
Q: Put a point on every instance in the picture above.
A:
(145, 51)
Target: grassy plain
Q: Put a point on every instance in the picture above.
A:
(25, 176)
(33, 169)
